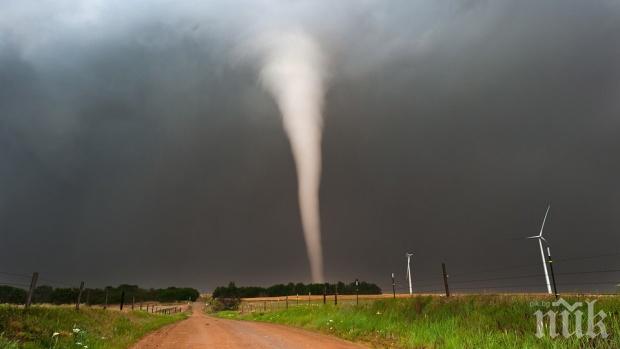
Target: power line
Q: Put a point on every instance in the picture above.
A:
(588, 257)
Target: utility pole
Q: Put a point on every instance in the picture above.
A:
(33, 285)
(357, 292)
(555, 288)
(393, 286)
(79, 298)
(445, 279)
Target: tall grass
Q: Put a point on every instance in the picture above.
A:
(433, 322)
(62, 327)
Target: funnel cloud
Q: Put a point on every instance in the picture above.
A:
(294, 72)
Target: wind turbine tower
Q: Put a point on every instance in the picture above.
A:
(542, 252)
(409, 255)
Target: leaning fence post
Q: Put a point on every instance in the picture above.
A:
(33, 285)
(79, 297)
(445, 279)
(122, 299)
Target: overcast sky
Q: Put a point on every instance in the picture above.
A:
(138, 146)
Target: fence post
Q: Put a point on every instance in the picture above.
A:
(336, 294)
(357, 292)
(309, 295)
(33, 285)
(287, 302)
(122, 299)
(79, 298)
(324, 293)
(105, 305)
(445, 279)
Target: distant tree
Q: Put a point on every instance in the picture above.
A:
(10, 294)
(43, 294)
(279, 290)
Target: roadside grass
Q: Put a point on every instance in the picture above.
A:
(63, 327)
(498, 321)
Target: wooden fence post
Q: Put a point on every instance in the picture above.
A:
(105, 305)
(33, 285)
(79, 297)
(445, 279)
(336, 294)
(325, 293)
(122, 299)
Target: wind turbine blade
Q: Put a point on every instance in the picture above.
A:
(544, 220)
(533, 237)
(543, 239)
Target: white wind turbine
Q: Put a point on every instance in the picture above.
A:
(409, 255)
(542, 252)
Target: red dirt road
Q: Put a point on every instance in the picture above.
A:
(201, 331)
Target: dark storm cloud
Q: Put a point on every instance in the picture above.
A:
(137, 147)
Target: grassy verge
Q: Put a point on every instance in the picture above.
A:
(59, 327)
(432, 322)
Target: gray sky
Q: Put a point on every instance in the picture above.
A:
(136, 144)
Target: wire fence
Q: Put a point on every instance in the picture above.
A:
(21, 289)
(466, 282)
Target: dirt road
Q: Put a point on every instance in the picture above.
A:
(201, 331)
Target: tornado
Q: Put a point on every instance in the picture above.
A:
(293, 71)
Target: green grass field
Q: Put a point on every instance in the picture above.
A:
(436, 322)
(64, 327)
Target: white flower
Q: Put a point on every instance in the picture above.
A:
(76, 330)
(55, 334)
(378, 313)
(86, 347)
(78, 343)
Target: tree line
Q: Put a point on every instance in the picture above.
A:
(49, 294)
(234, 291)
